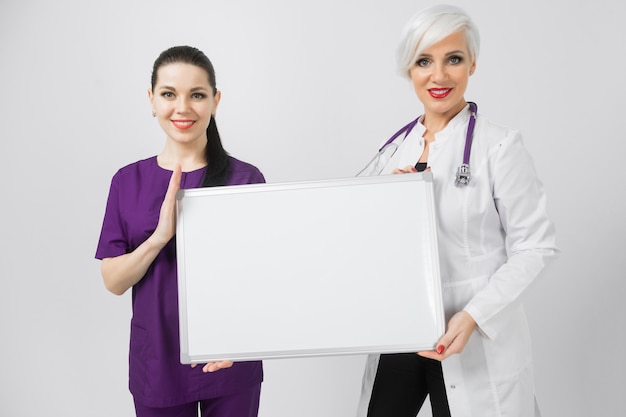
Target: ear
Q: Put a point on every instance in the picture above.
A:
(472, 68)
(216, 98)
(151, 98)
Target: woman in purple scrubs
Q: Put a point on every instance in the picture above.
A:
(138, 251)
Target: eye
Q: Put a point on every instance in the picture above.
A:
(198, 96)
(423, 62)
(455, 59)
(167, 94)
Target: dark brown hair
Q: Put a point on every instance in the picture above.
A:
(216, 156)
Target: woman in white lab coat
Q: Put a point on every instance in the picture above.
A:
(494, 238)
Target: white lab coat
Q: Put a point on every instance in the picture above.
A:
(495, 238)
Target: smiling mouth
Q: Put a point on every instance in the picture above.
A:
(183, 124)
(439, 92)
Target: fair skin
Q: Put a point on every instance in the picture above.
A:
(183, 102)
(440, 77)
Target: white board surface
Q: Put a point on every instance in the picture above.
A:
(314, 268)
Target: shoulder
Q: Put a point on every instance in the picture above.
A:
(492, 136)
(494, 131)
(243, 173)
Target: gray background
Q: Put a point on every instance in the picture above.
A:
(309, 91)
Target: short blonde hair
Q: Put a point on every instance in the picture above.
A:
(430, 26)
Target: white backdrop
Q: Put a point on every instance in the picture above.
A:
(309, 90)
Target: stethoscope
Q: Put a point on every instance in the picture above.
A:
(463, 173)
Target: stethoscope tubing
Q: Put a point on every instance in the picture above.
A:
(463, 174)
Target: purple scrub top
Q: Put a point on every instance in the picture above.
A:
(156, 376)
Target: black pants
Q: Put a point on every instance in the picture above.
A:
(402, 383)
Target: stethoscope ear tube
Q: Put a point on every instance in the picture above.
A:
(463, 173)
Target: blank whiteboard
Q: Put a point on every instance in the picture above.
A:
(314, 268)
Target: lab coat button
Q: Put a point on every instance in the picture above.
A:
(452, 386)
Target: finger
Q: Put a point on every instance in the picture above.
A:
(215, 366)
(167, 217)
(431, 354)
(224, 364)
(211, 367)
(458, 344)
(174, 184)
(441, 350)
(405, 170)
(444, 343)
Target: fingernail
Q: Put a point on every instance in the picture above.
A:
(440, 349)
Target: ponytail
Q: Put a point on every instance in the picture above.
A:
(217, 158)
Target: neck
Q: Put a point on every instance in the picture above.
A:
(436, 122)
(189, 157)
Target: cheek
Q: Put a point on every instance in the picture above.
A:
(419, 78)
(205, 109)
(164, 122)
(204, 113)
(419, 86)
(162, 108)
(462, 76)
(415, 75)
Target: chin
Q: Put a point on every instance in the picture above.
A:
(444, 107)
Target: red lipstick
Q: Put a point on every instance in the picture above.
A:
(439, 92)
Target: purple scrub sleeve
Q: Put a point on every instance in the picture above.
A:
(156, 376)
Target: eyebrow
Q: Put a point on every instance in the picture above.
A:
(193, 90)
(457, 52)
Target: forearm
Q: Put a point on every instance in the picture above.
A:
(505, 289)
(122, 272)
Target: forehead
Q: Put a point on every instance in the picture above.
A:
(182, 75)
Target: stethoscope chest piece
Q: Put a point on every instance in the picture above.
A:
(462, 175)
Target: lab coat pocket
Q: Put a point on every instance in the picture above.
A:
(509, 352)
(517, 394)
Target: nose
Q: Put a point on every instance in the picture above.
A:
(182, 105)
(439, 73)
